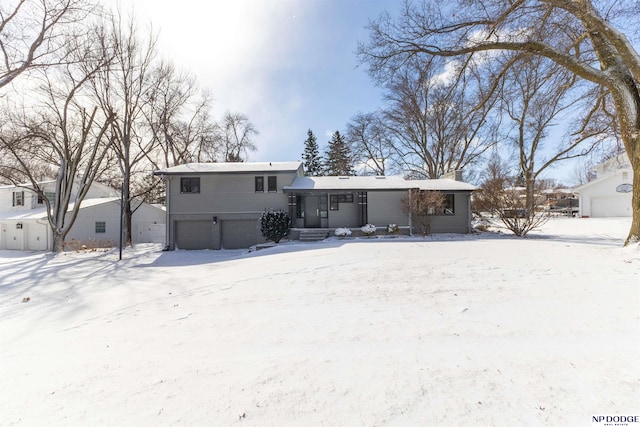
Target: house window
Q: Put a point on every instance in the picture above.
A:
(101, 227)
(18, 198)
(259, 183)
(299, 207)
(625, 176)
(189, 185)
(272, 184)
(334, 204)
(449, 204)
(322, 206)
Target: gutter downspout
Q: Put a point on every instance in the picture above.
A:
(167, 192)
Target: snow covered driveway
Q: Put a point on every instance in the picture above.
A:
(452, 330)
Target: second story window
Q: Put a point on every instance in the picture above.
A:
(18, 198)
(189, 185)
(259, 181)
(272, 183)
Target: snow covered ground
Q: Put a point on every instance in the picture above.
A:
(450, 330)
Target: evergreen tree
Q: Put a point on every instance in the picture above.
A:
(311, 155)
(274, 225)
(338, 159)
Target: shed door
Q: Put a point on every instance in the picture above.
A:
(14, 237)
(194, 235)
(239, 234)
(37, 237)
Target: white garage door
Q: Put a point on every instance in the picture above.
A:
(194, 235)
(611, 206)
(37, 240)
(151, 233)
(239, 234)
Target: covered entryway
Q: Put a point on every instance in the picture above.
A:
(239, 233)
(194, 235)
(312, 211)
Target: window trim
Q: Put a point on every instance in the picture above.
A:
(186, 183)
(102, 229)
(18, 198)
(258, 183)
(272, 179)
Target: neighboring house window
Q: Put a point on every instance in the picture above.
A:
(259, 181)
(101, 227)
(272, 184)
(18, 198)
(625, 176)
(189, 185)
(51, 196)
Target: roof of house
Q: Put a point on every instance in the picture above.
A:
(615, 175)
(197, 168)
(41, 212)
(326, 183)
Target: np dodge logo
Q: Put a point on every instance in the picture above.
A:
(615, 420)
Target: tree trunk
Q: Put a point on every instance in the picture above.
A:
(634, 232)
(57, 244)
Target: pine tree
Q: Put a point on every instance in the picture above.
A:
(311, 155)
(338, 159)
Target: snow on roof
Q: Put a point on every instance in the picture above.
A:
(373, 183)
(41, 212)
(443, 184)
(189, 168)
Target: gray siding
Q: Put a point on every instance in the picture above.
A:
(385, 207)
(228, 193)
(458, 223)
(228, 197)
(346, 215)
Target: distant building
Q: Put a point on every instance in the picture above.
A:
(609, 195)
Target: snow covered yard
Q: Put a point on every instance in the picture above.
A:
(451, 330)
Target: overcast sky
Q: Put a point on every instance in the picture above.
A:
(289, 65)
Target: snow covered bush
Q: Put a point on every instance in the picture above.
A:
(368, 229)
(342, 232)
(393, 229)
(274, 225)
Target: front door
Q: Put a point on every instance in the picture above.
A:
(312, 212)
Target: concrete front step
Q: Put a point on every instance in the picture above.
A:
(312, 236)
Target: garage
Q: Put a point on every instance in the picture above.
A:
(151, 232)
(240, 234)
(611, 206)
(194, 235)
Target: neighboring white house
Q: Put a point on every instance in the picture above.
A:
(609, 195)
(24, 225)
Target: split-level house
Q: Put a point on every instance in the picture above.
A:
(24, 224)
(218, 205)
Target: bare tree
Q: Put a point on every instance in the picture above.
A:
(439, 122)
(62, 131)
(236, 137)
(32, 33)
(536, 96)
(372, 145)
(179, 120)
(422, 206)
(122, 88)
(582, 36)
